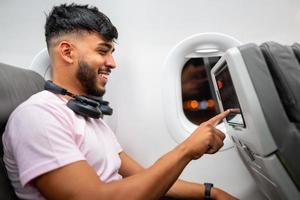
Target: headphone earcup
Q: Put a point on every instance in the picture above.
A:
(104, 105)
(105, 109)
(84, 109)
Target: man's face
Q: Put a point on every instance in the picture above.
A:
(95, 62)
(88, 79)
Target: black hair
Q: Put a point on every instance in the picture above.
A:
(76, 18)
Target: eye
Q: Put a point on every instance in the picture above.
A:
(102, 51)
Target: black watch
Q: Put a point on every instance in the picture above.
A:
(207, 193)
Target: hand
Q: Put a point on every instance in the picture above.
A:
(206, 138)
(218, 194)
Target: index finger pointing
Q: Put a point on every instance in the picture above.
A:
(216, 119)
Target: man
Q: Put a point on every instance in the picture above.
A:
(51, 152)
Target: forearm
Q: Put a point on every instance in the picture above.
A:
(193, 191)
(153, 182)
(186, 190)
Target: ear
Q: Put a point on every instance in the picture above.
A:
(66, 51)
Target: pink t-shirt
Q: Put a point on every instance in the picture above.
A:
(43, 134)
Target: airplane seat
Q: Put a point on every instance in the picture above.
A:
(262, 83)
(16, 85)
(296, 49)
(285, 70)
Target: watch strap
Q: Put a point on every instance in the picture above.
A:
(207, 191)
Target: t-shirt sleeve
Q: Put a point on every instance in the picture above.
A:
(42, 140)
(116, 145)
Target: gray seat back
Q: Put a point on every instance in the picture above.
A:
(285, 70)
(16, 85)
(296, 49)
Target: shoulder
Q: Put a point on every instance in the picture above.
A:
(41, 116)
(42, 99)
(39, 112)
(41, 104)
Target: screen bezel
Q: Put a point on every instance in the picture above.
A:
(223, 66)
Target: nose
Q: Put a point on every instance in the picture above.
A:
(110, 61)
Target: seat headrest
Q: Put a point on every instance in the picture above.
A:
(296, 49)
(16, 85)
(285, 71)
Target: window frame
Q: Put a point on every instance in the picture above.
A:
(179, 126)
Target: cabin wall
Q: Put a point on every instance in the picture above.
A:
(153, 23)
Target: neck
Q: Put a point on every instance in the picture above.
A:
(67, 79)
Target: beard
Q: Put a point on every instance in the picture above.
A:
(88, 79)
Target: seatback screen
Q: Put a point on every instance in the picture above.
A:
(228, 97)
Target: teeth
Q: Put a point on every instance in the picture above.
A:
(104, 76)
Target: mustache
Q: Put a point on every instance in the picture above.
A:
(105, 70)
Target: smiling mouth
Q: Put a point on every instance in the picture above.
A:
(104, 74)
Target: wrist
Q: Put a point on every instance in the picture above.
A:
(185, 151)
(192, 151)
(214, 193)
(209, 192)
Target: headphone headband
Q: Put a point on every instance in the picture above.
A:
(86, 106)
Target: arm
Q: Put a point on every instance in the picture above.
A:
(79, 181)
(187, 190)
(179, 190)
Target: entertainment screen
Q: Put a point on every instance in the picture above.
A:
(228, 97)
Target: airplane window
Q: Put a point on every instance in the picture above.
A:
(198, 100)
